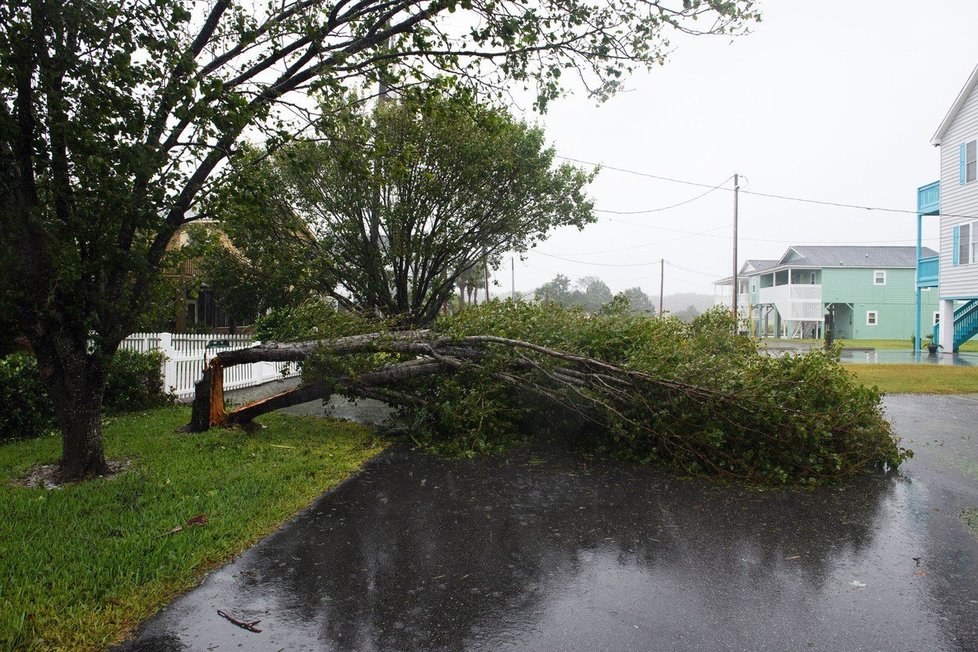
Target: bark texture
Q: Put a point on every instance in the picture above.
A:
(75, 382)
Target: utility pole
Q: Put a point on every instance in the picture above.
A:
(662, 282)
(485, 266)
(734, 293)
(512, 275)
(375, 276)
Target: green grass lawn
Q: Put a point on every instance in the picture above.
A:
(918, 378)
(969, 346)
(82, 565)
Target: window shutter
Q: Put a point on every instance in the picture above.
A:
(954, 245)
(963, 166)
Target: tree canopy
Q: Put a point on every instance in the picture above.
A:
(399, 205)
(117, 119)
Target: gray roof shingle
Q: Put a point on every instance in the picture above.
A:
(845, 256)
(760, 265)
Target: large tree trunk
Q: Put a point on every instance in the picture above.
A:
(75, 383)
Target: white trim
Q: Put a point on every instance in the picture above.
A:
(876, 317)
(972, 248)
(953, 111)
(875, 276)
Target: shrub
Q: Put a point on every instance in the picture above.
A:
(134, 382)
(27, 411)
(793, 419)
(311, 320)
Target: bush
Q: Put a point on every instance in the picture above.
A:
(27, 411)
(134, 382)
(312, 320)
(768, 420)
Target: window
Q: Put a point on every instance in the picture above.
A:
(879, 277)
(969, 161)
(963, 244)
(937, 317)
(872, 317)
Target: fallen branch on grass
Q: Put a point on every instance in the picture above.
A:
(200, 519)
(743, 416)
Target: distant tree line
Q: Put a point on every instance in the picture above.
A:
(591, 294)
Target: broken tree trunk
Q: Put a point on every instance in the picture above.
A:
(217, 415)
(200, 415)
(288, 398)
(583, 385)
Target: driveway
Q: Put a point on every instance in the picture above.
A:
(545, 550)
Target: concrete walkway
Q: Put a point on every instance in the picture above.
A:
(548, 551)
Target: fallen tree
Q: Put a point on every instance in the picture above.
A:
(693, 397)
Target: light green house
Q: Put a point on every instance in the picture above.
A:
(870, 291)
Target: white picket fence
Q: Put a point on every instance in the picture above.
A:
(187, 354)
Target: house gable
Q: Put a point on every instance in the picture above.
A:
(790, 255)
(955, 109)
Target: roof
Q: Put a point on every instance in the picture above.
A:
(750, 266)
(835, 256)
(758, 265)
(844, 256)
(953, 111)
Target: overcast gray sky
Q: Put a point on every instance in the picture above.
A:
(832, 100)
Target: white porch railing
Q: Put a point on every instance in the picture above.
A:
(795, 302)
(186, 355)
(723, 300)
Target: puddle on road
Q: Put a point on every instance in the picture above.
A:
(546, 551)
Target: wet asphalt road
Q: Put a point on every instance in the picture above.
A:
(548, 551)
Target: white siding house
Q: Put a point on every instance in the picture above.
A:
(957, 137)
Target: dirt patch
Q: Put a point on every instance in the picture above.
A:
(46, 475)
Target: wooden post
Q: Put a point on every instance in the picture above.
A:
(662, 283)
(735, 270)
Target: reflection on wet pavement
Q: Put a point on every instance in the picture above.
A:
(545, 550)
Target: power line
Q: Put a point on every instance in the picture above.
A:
(806, 200)
(638, 279)
(687, 234)
(708, 233)
(664, 208)
(691, 271)
(637, 173)
(584, 262)
(776, 240)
